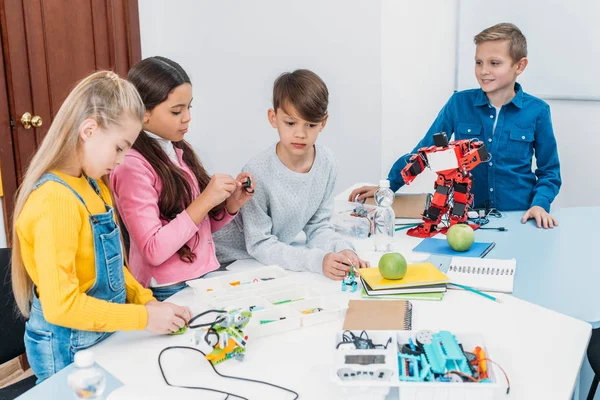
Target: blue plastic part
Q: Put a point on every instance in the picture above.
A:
(414, 368)
(350, 280)
(411, 344)
(444, 354)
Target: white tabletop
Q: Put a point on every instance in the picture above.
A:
(541, 350)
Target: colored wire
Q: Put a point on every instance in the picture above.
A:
(479, 380)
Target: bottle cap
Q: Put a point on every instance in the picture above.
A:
(384, 183)
(84, 359)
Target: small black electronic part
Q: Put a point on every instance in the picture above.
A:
(348, 374)
(247, 185)
(405, 349)
(365, 359)
(361, 342)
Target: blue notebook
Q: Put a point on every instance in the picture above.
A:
(440, 246)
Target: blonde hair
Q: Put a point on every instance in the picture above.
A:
(517, 44)
(106, 98)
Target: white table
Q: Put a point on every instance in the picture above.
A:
(540, 350)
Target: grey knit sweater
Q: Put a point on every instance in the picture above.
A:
(285, 203)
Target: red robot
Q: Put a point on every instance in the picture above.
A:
(452, 197)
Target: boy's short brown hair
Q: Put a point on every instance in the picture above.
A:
(305, 91)
(517, 48)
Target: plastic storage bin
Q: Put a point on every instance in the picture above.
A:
(376, 371)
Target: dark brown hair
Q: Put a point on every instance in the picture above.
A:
(305, 91)
(155, 78)
(517, 44)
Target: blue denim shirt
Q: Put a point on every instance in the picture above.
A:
(524, 128)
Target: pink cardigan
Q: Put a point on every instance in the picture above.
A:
(154, 241)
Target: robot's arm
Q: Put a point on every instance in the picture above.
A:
(416, 165)
(474, 154)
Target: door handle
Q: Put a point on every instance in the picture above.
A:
(28, 121)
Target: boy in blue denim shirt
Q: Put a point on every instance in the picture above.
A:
(514, 126)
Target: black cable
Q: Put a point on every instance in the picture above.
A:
(218, 373)
(216, 321)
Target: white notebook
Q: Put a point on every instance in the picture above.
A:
(486, 274)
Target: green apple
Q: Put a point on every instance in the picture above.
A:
(392, 266)
(460, 237)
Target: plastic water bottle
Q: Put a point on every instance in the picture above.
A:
(87, 380)
(384, 218)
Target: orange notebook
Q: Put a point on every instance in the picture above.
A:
(416, 275)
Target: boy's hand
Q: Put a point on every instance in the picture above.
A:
(335, 266)
(363, 193)
(242, 193)
(354, 259)
(542, 218)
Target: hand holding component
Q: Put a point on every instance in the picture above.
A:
(220, 187)
(243, 192)
(334, 266)
(362, 193)
(163, 318)
(354, 260)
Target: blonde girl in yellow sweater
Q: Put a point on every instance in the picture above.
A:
(68, 273)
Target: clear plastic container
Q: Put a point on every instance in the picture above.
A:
(87, 380)
(384, 218)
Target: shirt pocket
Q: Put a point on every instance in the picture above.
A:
(466, 130)
(520, 143)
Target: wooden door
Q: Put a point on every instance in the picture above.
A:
(47, 47)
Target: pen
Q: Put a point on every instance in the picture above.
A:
(490, 247)
(286, 301)
(400, 228)
(470, 289)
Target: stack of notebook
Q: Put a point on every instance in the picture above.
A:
(421, 282)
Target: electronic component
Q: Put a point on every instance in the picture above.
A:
(362, 342)
(347, 374)
(365, 359)
(247, 185)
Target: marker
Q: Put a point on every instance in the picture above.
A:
(401, 228)
(491, 246)
(470, 289)
(268, 321)
(286, 301)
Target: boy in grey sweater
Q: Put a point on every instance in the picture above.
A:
(294, 182)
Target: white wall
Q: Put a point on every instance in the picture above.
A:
(233, 51)
(389, 65)
(418, 58)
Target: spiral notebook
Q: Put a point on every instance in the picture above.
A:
(485, 274)
(378, 315)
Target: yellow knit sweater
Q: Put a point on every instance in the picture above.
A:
(58, 253)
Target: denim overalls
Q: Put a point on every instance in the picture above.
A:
(50, 347)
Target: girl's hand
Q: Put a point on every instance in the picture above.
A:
(165, 318)
(220, 187)
(242, 193)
